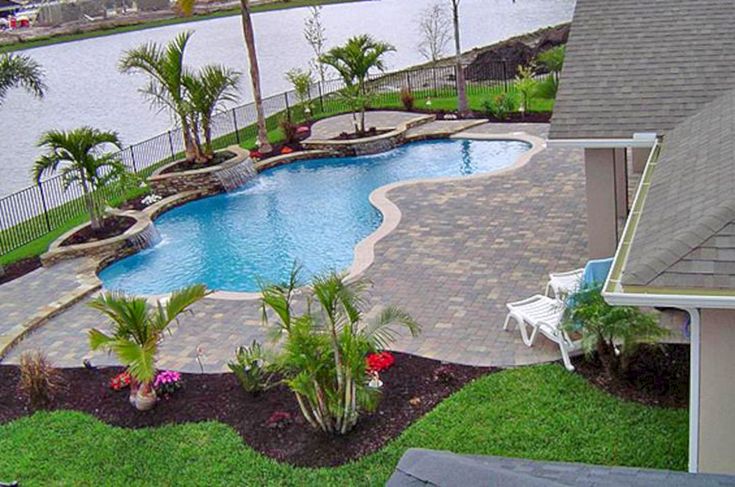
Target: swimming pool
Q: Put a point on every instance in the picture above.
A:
(312, 212)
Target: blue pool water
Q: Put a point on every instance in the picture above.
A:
(312, 212)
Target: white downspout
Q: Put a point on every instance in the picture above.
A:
(694, 372)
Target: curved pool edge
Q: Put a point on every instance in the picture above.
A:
(364, 252)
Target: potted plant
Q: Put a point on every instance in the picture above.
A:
(138, 329)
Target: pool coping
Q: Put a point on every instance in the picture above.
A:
(364, 251)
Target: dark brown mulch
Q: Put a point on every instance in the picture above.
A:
(413, 386)
(186, 165)
(112, 226)
(531, 117)
(371, 132)
(135, 203)
(19, 268)
(658, 376)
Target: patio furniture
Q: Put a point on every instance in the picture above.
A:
(564, 283)
(543, 314)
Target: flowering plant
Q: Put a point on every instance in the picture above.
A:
(255, 154)
(150, 199)
(279, 420)
(167, 382)
(286, 150)
(304, 129)
(120, 381)
(378, 362)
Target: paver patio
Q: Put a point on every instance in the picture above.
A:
(460, 252)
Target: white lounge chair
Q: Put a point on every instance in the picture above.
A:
(543, 314)
(564, 283)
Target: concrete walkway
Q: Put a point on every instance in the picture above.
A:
(331, 127)
(461, 251)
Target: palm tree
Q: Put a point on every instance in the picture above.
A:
(247, 32)
(353, 62)
(79, 154)
(138, 330)
(208, 89)
(18, 71)
(324, 352)
(164, 66)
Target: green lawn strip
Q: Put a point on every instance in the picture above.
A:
(541, 412)
(151, 24)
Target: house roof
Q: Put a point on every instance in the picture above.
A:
(685, 236)
(9, 4)
(642, 65)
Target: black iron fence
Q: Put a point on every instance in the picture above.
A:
(41, 209)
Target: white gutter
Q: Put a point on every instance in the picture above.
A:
(638, 141)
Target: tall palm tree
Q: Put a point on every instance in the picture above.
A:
(164, 66)
(19, 71)
(247, 32)
(208, 89)
(462, 104)
(79, 155)
(354, 61)
(139, 329)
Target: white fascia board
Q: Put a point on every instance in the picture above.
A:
(639, 140)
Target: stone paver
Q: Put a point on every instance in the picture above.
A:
(440, 127)
(331, 127)
(460, 252)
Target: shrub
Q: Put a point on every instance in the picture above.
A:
(547, 88)
(407, 98)
(289, 130)
(501, 105)
(324, 350)
(553, 60)
(614, 332)
(251, 369)
(167, 382)
(39, 380)
(526, 84)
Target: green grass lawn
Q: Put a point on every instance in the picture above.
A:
(541, 412)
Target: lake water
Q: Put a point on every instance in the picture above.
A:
(85, 87)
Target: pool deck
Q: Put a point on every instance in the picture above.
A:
(460, 251)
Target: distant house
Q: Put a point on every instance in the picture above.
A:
(647, 91)
(8, 8)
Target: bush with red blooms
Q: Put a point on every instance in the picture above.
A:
(378, 362)
(278, 420)
(304, 129)
(120, 381)
(255, 154)
(286, 150)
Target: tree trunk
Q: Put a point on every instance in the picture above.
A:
(463, 107)
(247, 31)
(89, 202)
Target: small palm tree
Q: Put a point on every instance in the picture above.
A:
(323, 359)
(18, 71)
(138, 330)
(79, 157)
(353, 62)
(164, 66)
(208, 89)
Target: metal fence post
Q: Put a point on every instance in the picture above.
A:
(171, 145)
(288, 108)
(505, 77)
(45, 206)
(234, 121)
(132, 159)
(321, 97)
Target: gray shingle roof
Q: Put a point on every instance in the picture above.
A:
(642, 65)
(420, 467)
(686, 234)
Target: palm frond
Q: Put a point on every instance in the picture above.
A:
(23, 72)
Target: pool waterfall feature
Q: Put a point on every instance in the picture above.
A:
(149, 237)
(233, 177)
(313, 212)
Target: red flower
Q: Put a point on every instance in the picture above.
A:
(378, 362)
(120, 381)
(302, 130)
(255, 154)
(286, 150)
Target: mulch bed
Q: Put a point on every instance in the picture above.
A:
(413, 386)
(530, 117)
(112, 226)
(371, 132)
(658, 376)
(186, 165)
(19, 268)
(135, 203)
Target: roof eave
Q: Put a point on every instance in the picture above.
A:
(639, 140)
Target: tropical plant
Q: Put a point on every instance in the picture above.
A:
(315, 35)
(435, 32)
(407, 98)
(354, 61)
(301, 81)
(166, 89)
(138, 329)
(501, 105)
(289, 129)
(208, 89)
(247, 30)
(39, 380)
(79, 156)
(20, 71)
(614, 332)
(553, 60)
(324, 349)
(526, 85)
(252, 369)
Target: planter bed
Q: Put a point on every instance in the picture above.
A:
(658, 376)
(19, 268)
(181, 166)
(112, 226)
(413, 386)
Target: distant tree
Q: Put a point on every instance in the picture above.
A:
(316, 36)
(301, 81)
(435, 31)
(19, 71)
(247, 31)
(79, 156)
(553, 60)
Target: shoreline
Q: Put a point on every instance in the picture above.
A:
(80, 31)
